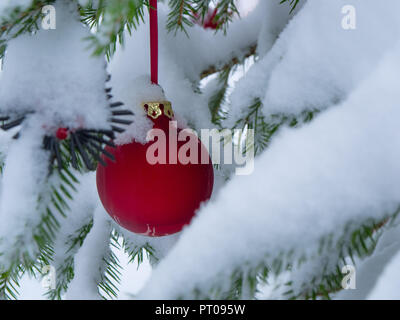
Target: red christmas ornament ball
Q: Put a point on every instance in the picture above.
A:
(153, 199)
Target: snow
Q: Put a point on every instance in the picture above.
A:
(161, 245)
(5, 142)
(246, 6)
(89, 260)
(127, 72)
(387, 287)
(53, 74)
(80, 214)
(181, 60)
(203, 48)
(372, 274)
(6, 5)
(311, 182)
(89, 257)
(275, 18)
(133, 279)
(18, 217)
(315, 62)
(134, 93)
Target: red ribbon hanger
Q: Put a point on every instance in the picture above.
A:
(153, 41)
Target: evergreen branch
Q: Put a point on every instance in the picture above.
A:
(292, 3)
(53, 205)
(181, 14)
(201, 8)
(20, 21)
(111, 18)
(1, 163)
(251, 51)
(9, 279)
(265, 129)
(226, 10)
(65, 271)
(184, 13)
(138, 251)
(218, 98)
(111, 274)
(9, 282)
(356, 241)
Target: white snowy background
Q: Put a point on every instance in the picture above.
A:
(310, 181)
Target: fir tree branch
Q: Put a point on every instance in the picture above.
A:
(292, 3)
(111, 19)
(138, 252)
(265, 129)
(9, 282)
(226, 10)
(356, 241)
(251, 51)
(218, 98)
(183, 13)
(19, 21)
(111, 271)
(53, 205)
(65, 269)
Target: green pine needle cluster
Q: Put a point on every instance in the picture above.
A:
(184, 13)
(111, 18)
(293, 3)
(20, 21)
(53, 207)
(111, 274)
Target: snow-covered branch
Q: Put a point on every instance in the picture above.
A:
(341, 170)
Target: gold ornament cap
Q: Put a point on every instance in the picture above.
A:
(155, 109)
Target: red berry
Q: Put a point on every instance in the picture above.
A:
(62, 133)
